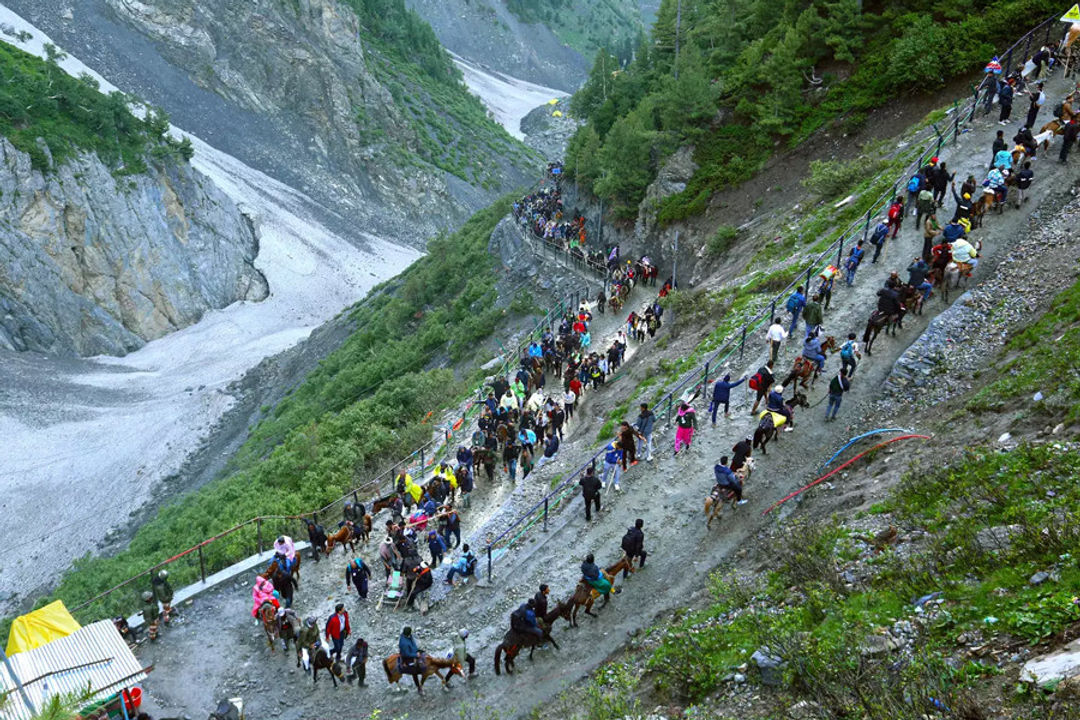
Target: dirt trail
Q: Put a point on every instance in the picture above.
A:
(229, 652)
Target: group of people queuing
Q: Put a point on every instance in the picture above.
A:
(541, 213)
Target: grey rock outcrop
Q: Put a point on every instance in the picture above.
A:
(306, 67)
(548, 134)
(92, 263)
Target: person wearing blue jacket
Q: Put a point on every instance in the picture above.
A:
(795, 305)
(612, 464)
(408, 649)
(646, 420)
(727, 479)
(721, 393)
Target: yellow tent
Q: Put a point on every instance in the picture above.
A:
(40, 627)
(554, 101)
(557, 113)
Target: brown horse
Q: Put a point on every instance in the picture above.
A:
(288, 627)
(323, 660)
(805, 369)
(585, 595)
(878, 321)
(383, 503)
(716, 500)
(346, 537)
(268, 615)
(513, 642)
(273, 568)
(429, 664)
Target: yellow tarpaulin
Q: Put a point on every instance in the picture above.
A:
(40, 627)
(554, 101)
(557, 113)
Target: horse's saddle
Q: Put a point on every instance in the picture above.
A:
(778, 419)
(418, 667)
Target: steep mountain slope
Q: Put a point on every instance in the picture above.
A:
(550, 42)
(352, 103)
(108, 238)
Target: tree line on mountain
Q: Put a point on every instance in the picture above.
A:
(738, 78)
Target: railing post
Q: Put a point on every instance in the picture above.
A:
(1049, 25)
(956, 123)
(489, 563)
(202, 564)
(355, 498)
(705, 381)
(545, 514)
(258, 534)
(840, 251)
(742, 343)
(772, 311)
(1008, 63)
(423, 465)
(1027, 47)
(809, 274)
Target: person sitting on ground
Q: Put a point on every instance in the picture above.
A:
(465, 565)
(726, 479)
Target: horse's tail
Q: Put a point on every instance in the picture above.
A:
(386, 669)
(869, 328)
(758, 435)
(498, 659)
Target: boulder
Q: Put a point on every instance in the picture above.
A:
(999, 537)
(1051, 668)
(770, 665)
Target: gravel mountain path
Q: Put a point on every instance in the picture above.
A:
(216, 650)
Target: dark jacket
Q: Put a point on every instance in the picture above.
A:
(724, 476)
(407, 647)
(552, 446)
(590, 571)
(917, 273)
(888, 301)
(721, 391)
(316, 535)
(633, 541)
(356, 575)
(590, 485)
(839, 385)
(541, 604)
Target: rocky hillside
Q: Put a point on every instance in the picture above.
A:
(550, 42)
(353, 103)
(108, 238)
(95, 264)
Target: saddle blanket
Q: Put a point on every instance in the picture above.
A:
(421, 662)
(777, 419)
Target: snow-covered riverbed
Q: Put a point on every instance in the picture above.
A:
(510, 99)
(87, 441)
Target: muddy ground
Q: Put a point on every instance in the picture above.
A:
(218, 650)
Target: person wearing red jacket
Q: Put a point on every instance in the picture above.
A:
(338, 629)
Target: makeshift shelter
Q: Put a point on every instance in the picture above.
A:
(95, 657)
(557, 113)
(39, 627)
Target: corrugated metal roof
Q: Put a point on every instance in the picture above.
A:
(98, 647)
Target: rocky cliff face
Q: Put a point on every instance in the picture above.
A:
(92, 263)
(375, 141)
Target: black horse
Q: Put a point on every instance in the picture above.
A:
(766, 429)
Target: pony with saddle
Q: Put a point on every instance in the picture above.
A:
(426, 666)
(768, 428)
(346, 537)
(714, 503)
(514, 642)
(880, 320)
(585, 594)
(805, 369)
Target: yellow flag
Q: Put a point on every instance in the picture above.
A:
(1073, 15)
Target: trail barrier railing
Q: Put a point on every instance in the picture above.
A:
(258, 534)
(932, 140)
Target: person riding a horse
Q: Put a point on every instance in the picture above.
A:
(727, 480)
(590, 573)
(523, 620)
(261, 593)
(964, 254)
(409, 650)
(775, 403)
(812, 351)
(285, 547)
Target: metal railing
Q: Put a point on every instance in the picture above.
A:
(934, 141)
(258, 533)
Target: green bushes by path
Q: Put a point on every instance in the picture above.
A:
(992, 520)
(40, 101)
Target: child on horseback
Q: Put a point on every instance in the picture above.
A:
(590, 574)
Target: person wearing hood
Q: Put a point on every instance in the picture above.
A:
(722, 394)
(461, 652)
(163, 592)
(262, 592)
(686, 423)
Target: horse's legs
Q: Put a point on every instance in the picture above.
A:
(418, 683)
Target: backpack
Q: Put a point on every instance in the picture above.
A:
(1059, 109)
(755, 381)
(792, 303)
(627, 543)
(880, 231)
(895, 208)
(517, 620)
(913, 185)
(848, 350)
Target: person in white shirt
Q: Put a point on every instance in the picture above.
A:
(776, 334)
